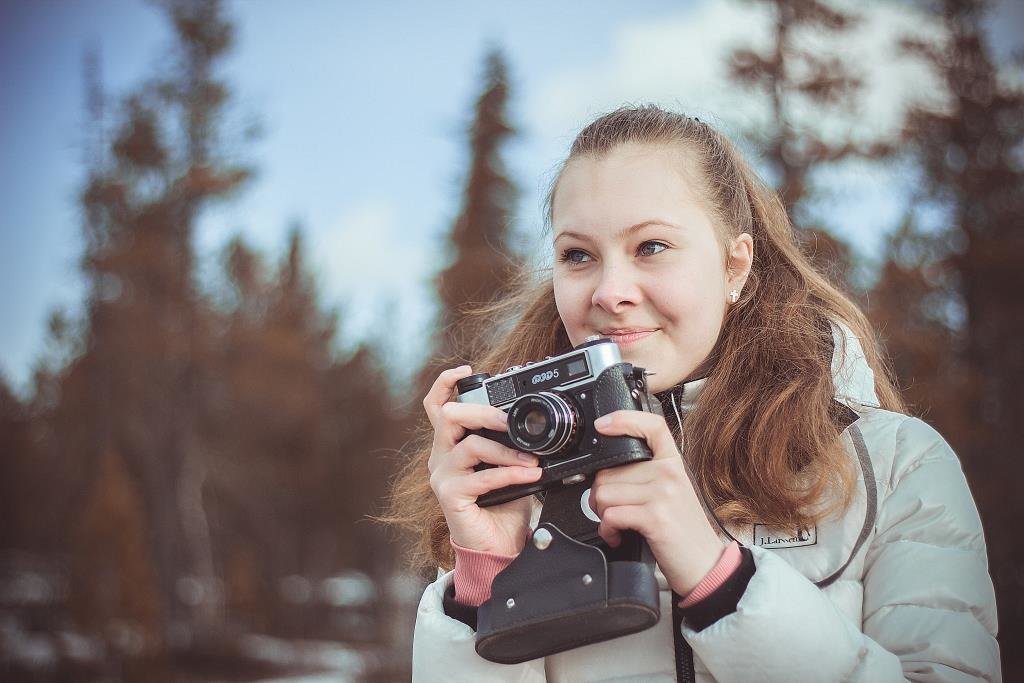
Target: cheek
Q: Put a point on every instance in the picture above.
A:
(567, 301)
(694, 307)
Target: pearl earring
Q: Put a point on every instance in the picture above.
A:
(734, 296)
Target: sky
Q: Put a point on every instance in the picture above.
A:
(363, 109)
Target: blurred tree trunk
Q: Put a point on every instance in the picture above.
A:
(114, 587)
(16, 471)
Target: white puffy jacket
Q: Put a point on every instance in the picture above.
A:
(904, 591)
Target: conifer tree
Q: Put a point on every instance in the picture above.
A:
(195, 452)
(791, 76)
(275, 356)
(969, 156)
(909, 305)
(136, 388)
(292, 486)
(480, 238)
(16, 459)
(970, 161)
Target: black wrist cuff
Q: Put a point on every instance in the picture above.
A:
(725, 598)
(456, 610)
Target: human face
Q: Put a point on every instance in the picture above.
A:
(638, 259)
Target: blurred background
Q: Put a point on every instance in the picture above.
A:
(235, 236)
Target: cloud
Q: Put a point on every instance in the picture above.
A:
(362, 241)
(893, 81)
(377, 270)
(676, 61)
(681, 62)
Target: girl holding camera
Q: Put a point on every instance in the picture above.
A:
(843, 543)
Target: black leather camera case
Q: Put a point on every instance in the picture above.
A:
(563, 596)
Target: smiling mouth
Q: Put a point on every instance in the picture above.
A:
(626, 337)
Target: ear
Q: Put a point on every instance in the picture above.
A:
(739, 260)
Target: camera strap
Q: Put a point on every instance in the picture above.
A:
(683, 651)
(565, 511)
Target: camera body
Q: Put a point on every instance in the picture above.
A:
(552, 405)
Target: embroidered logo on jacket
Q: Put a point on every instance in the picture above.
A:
(766, 537)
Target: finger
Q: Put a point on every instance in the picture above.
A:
(613, 537)
(475, 449)
(454, 419)
(619, 518)
(641, 425)
(632, 473)
(607, 495)
(472, 486)
(474, 416)
(441, 390)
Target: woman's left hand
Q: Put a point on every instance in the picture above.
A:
(656, 499)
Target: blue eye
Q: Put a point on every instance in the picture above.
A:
(574, 256)
(651, 247)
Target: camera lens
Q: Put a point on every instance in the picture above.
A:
(543, 423)
(536, 422)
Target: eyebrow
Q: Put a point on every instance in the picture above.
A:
(625, 232)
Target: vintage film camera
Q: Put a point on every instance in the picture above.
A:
(551, 408)
(567, 588)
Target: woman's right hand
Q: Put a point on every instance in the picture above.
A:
(499, 529)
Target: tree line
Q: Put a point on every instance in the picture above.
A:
(196, 461)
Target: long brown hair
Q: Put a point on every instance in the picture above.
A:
(763, 438)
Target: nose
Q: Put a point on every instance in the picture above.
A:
(617, 289)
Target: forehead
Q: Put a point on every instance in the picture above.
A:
(631, 183)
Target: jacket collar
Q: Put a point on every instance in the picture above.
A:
(852, 376)
(680, 399)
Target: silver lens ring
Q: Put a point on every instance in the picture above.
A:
(559, 421)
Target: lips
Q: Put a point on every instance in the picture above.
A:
(625, 336)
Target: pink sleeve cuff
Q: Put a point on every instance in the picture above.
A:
(474, 573)
(725, 567)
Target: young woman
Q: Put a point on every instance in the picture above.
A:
(849, 547)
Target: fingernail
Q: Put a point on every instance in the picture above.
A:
(526, 457)
(463, 368)
(603, 421)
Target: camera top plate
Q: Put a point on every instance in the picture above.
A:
(563, 372)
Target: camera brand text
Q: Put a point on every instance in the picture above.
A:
(545, 376)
